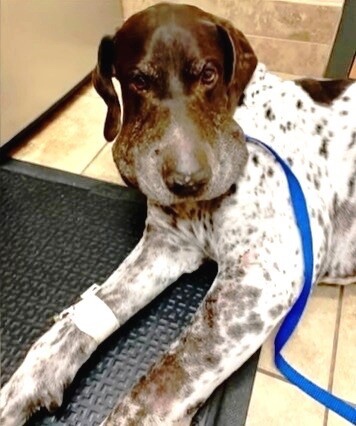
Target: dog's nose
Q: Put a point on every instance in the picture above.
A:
(186, 176)
(185, 185)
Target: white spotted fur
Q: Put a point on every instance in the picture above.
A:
(251, 233)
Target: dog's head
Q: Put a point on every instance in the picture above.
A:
(181, 72)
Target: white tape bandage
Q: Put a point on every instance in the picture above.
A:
(93, 316)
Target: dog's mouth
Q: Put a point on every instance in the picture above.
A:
(210, 179)
(182, 165)
(186, 186)
(203, 186)
(186, 174)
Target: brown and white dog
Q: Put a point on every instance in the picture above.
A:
(191, 86)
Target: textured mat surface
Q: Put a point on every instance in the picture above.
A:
(55, 241)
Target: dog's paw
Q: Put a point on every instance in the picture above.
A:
(48, 368)
(24, 394)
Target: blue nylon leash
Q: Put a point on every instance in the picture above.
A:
(291, 321)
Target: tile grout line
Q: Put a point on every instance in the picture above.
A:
(334, 349)
(94, 158)
(251, 394)
(301, 42)
(314, 3)
(273, 375)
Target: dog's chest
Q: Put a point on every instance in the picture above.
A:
(238, 221)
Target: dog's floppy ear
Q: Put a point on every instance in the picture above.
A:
(240, 60)
(102, 81)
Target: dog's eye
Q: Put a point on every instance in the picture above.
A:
(208, 75)
(140, 82)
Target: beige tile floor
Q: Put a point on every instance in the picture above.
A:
(324, 346)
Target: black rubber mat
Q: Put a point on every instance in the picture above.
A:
(59, 233)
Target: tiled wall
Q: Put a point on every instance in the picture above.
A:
(290, 36)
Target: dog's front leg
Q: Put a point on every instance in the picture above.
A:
(55, 358)
(233, 321)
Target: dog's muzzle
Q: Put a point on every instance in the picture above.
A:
(186, 174)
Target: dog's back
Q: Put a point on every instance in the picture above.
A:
(318, 139)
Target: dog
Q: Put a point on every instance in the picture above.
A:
(192, 87)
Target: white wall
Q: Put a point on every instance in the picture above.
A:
(47, 47)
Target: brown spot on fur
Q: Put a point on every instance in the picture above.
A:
(157, 385)
(351, 186)
(324, 148)
(236, 331)
(270, 172)
(209, 311)
(169, 211)
(267, 276)
(212, 359)
(254, 323)
(276, 311)
(323, 91)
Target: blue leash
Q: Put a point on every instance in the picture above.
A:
(290, 322)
